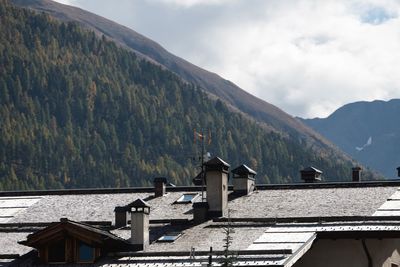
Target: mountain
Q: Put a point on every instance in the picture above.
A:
(77, 110)
(236, 98)
(266, 115)
(367, 131)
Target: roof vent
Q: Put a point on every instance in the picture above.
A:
(140, 211)
(216, 171)
(356, 174)
(160, 184)
(243, 180)
(311, 175)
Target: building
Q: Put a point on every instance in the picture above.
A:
(309, 224)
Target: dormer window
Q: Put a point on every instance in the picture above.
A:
(187, 198)
(56, 252)
(86, 253)
(67, 242)
(170, 237)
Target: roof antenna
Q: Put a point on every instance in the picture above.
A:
(192, 253)
(205, 156)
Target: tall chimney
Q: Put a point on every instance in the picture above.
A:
(216, 171)
(243, 180)
(311, 175)
(356, 174)
(160, 184)
(120, 216)
(140, 211)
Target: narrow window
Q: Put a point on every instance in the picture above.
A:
(56, 252)
(85, 252)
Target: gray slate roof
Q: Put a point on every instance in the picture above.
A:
(263, 203)
(99, 207)
(311, 202)
(391, 207)
(268, 203)
(9, 243)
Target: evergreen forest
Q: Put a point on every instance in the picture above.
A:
(78, 111)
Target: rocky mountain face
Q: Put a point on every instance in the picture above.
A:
(368, 131)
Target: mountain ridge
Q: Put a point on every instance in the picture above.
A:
(366, 131)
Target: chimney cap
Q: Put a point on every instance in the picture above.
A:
(216, 164)
(357, 168)
(198, 180)
(243, 170)
(311, 169)
(138, 203)
(216, 161)
(120, 209)
(160, 180)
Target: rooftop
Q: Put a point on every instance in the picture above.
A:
(281, 219)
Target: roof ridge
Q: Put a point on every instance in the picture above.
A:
(90, 191)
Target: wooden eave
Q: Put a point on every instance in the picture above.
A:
(60, 230)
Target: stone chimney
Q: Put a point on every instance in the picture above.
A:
(356, 174)
(216, 171)
(160, 185)
(243, 180)
(311, 175)
(140, 211)
(120, 216)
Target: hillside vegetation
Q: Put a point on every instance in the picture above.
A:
(79, 111)
(270, 116)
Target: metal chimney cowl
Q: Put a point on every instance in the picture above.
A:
(243, 180)
(311, 175)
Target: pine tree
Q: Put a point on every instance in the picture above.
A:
(228, 257)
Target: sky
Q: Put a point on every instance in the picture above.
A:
(306, 57)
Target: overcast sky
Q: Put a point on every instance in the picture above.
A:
(306, 57)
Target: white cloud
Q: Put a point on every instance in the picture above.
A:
(65, 2)
(307, 57)
(190, 3)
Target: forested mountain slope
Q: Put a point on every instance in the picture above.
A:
(79, 111)
(270, 116)
(368, 131)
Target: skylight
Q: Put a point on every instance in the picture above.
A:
(170, 237)
(186, 198)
